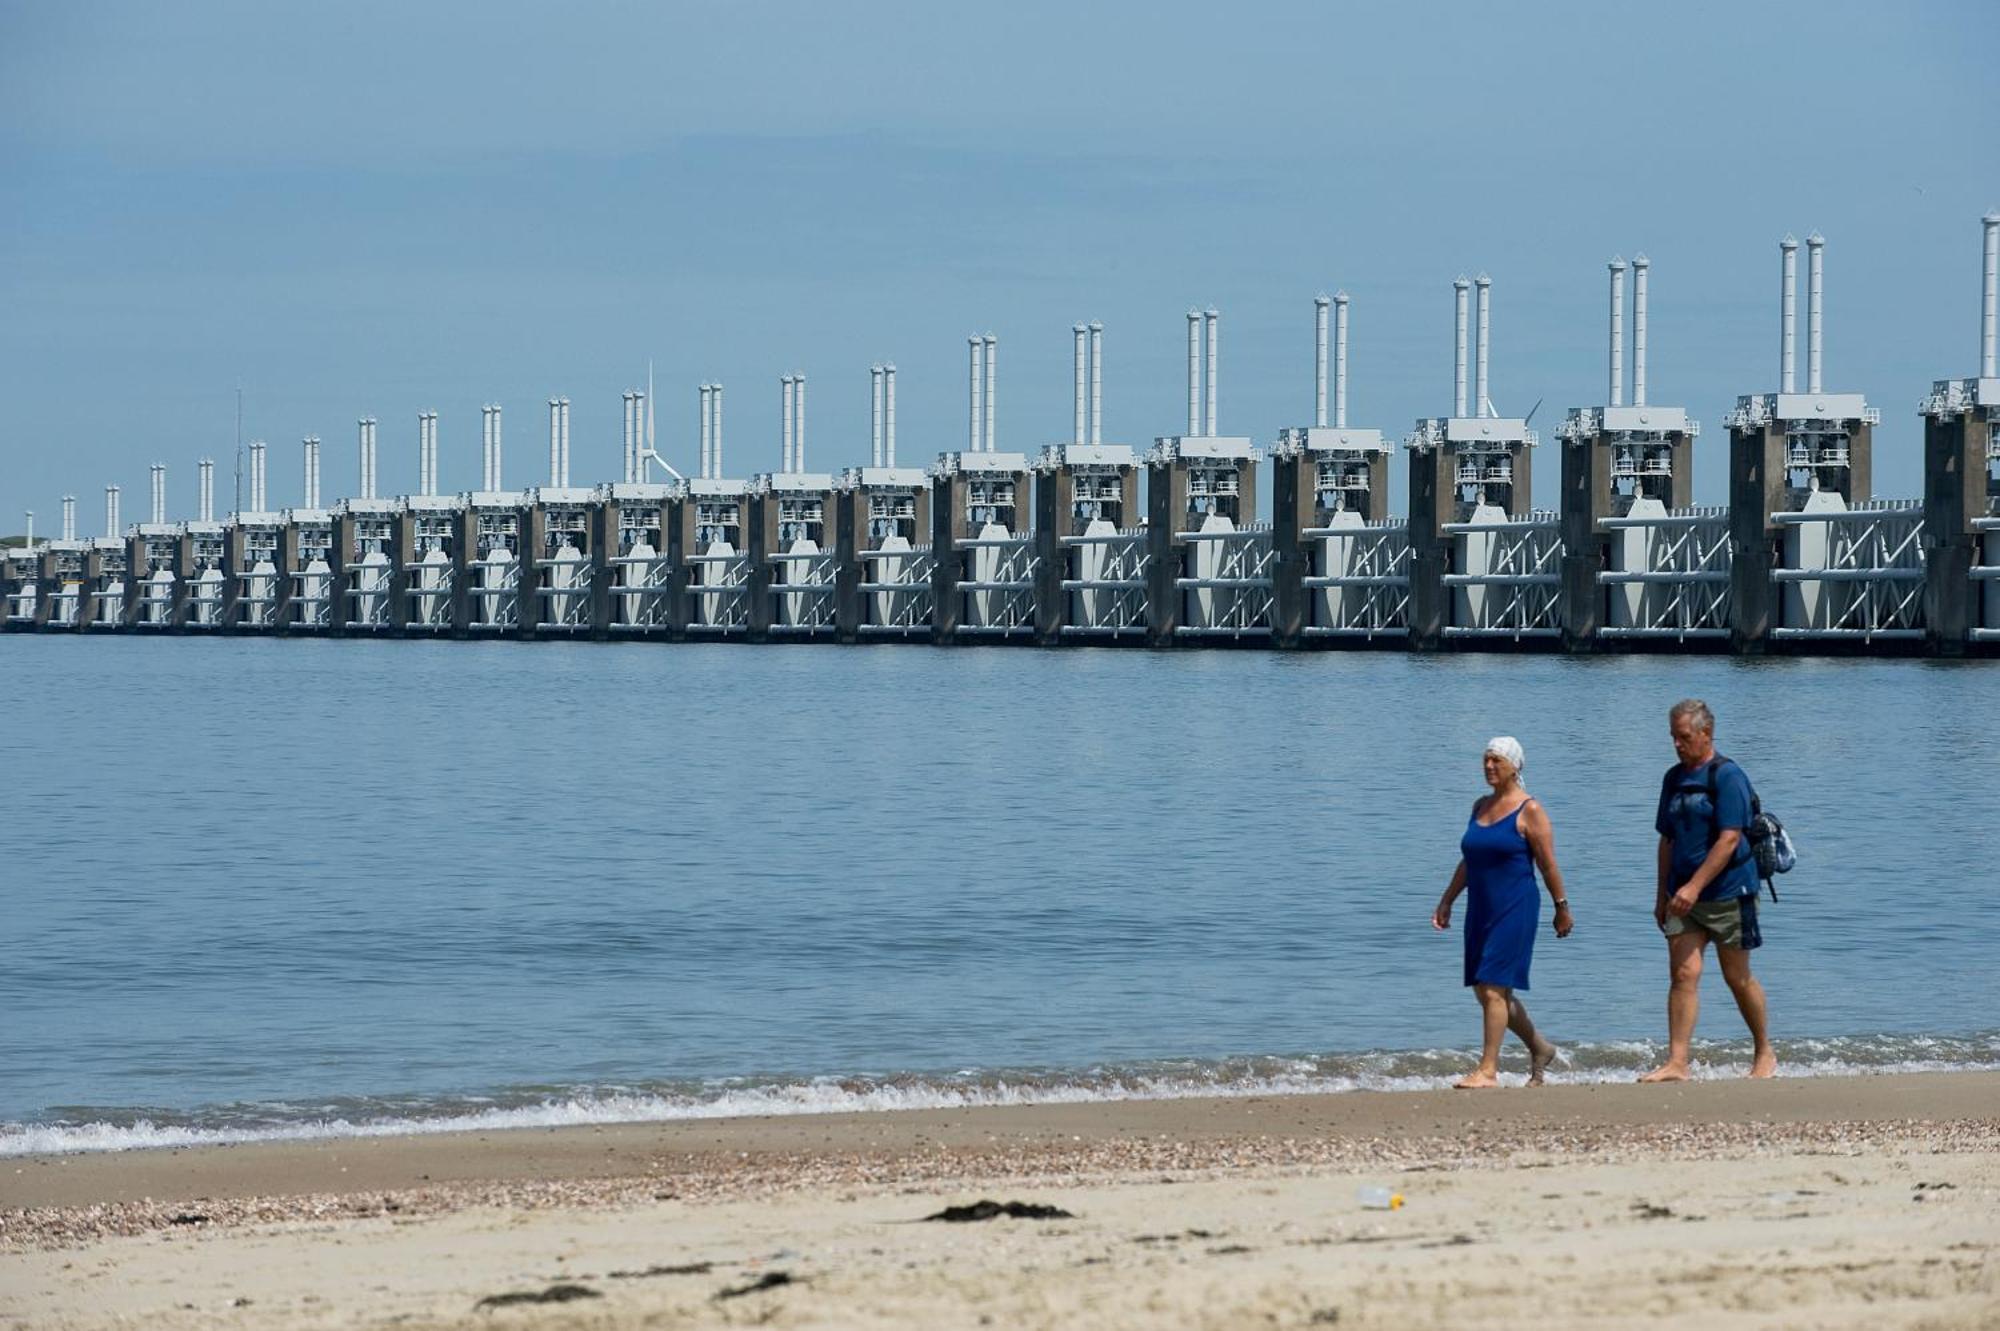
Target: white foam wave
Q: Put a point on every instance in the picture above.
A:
(1606, 1063)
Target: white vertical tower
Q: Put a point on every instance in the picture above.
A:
(257, 476)
(626, 430)
(69, 518)
(1194, 373)
(497, 459)
(555, 442)
(715, 431)
(1788, 314)
(564, 482)
(1096, 382)
(786, 422)
(1459, 289)
(975, 394)
(1989, 299)
(703, 427)
(207, 496)
(1615, 393)
(366, 427)
(1482, 303)
(1321, 306)
(875, 416)
(1079, 389)
(427, 461)
(888, 415)
(1641, 265)
(641, 421)
(991, 397)
(310, 445)
(159, 493)
(1815, 306)
(798, 422)
(1211, 323)
(1340, 360)
(110, 510)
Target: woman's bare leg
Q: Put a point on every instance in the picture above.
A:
(1493, 1000)
(1541, 1053)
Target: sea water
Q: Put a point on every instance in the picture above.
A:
(291, 888)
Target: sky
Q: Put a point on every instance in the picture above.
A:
(385, 208)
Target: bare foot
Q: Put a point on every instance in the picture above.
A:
(1667, 1072)
(1476, 1080)
(1765, 1064)
(1539, 1059)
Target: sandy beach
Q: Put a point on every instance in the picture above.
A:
(1863, 1201)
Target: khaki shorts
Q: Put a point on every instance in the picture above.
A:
(1732, 923)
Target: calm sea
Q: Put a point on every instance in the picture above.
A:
(292, 888)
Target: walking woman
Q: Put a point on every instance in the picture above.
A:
(1507, 838)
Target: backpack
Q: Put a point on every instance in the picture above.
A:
(1770, 845)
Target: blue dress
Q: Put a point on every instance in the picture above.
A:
(1502, 906)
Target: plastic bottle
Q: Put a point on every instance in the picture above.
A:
(1378, 1199)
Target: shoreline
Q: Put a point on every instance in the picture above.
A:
(1866, 1201)
(999, 1137)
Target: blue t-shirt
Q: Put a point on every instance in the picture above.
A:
(1692, 822)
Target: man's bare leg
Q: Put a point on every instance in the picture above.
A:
(1493, 1011)
(1684, 954)
(1540, 1052)
(1750, 1002)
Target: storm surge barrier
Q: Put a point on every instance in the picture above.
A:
(989, 546)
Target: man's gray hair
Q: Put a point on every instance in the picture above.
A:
(1695, 710)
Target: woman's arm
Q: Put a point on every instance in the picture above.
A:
(1541, 837)
(1441, 917)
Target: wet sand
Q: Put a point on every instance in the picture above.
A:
(1864, 1201)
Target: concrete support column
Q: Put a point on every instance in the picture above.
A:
(1293, 476)
(1052, 492)
(1586, 494)
(135, 549)
(288, 566)
(946, 519)
(604, 521)
(1954, 495)
(1756, 490)
(1431, 497)
(1166, 509)
(403, 543)
(675, 515)
(850, 508)
(464, 551)
(760, 531)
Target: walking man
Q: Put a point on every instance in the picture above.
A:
(1707, 887)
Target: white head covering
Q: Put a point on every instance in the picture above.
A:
(1506, 746)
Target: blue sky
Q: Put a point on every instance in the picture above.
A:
(385, 208)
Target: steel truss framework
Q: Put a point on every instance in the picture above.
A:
(896, 592)
(1360, 584)
(996, 586)
(1510, 580)
(718, 593)
(802, 592)
(1867, 581)
(1104, 591)
(1670, 575)
(1230, 592)
(639, 592)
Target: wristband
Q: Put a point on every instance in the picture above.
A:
(1563, 904)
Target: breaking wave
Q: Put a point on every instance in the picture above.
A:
(97, 1128)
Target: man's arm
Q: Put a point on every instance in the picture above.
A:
(1666, 864)
(1719, 856)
